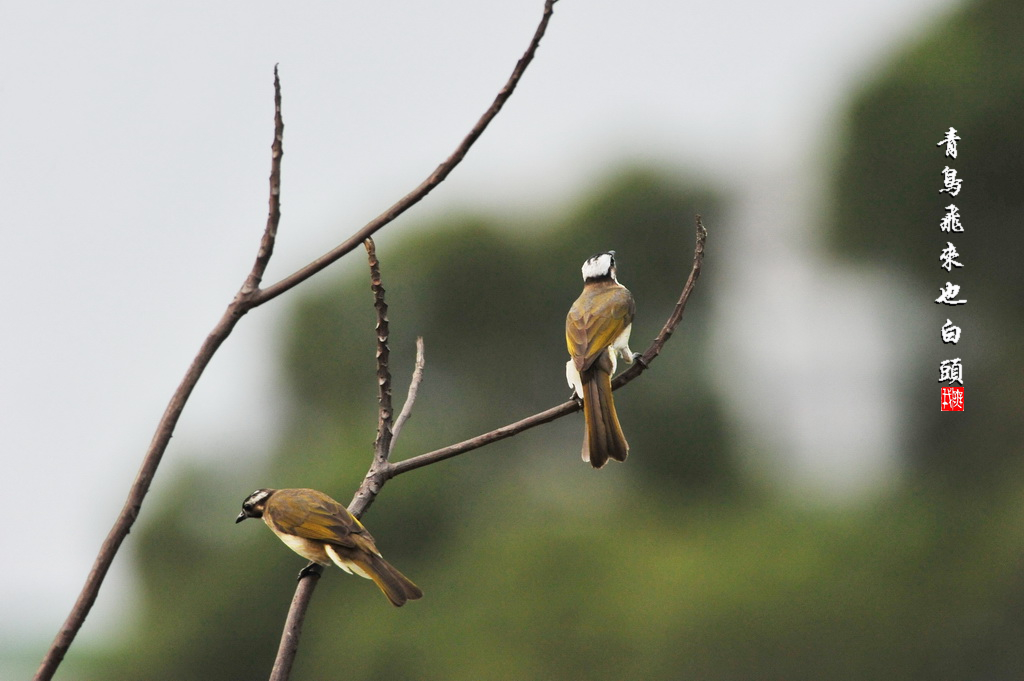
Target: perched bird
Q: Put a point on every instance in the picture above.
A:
(596, 330)
(320, 529)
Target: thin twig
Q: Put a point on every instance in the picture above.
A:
(382, 445)
(252, 282)
(435, 178)
(410, 398)
(242, 303)
(556, 412)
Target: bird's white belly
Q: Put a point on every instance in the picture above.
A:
(306, 548)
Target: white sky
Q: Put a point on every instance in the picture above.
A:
(134, 154)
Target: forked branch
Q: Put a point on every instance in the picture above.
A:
(375, 477)
(382, 469)
(241, 304)
(250, 296)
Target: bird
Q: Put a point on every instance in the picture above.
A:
(322, 530)
(596, 331)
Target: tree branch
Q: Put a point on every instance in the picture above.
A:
(377, 474)
(382, 445)
(410, 398)
(425, 187)
(241, 304)
(252, 282)
(375, 477)
(381, 468)
(677, 314)
(556, 412)
(248, 297)
(293, 624)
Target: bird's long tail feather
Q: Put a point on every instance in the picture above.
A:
(603, 438)
(396, 586)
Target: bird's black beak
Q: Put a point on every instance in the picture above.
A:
(241, 516)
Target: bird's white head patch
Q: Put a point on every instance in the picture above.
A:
(254, 502)
(601, 266)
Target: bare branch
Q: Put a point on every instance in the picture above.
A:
(375, 477)
(293, 624)
(479, 441)
(569, 407)
(677, 314)
(241, 304)
(435, 178)
(382, 446)
(252, 282)
(410, 398)
(248, 297)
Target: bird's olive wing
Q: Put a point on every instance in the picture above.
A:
(322, 519)
(595, 321)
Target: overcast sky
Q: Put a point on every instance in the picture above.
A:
(134, 154)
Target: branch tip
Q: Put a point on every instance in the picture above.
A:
(414, 386)
(250, 289)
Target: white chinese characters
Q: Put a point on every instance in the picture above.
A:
(951, 220)
(950, 141)
(951, 370)
(949, 256)
(950, 182)
(950, 332)
(946, 295)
